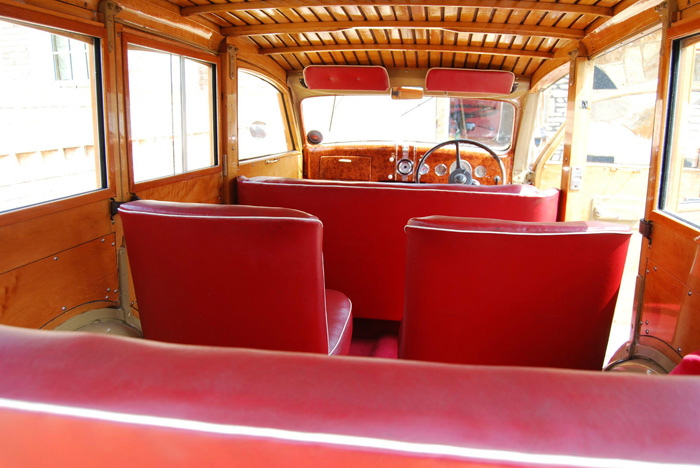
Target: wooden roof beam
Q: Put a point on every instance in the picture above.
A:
(622, 12)
(501, 4)
(405, 48)
(454, 26)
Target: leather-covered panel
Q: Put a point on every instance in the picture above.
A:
(228, 275)
(417, 414)
(339, 317)
(364, 241)
(502, 293)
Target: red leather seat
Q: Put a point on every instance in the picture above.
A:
(484, 291)
(364, 243)
(83, 400)
(233, 276)
(690, 365)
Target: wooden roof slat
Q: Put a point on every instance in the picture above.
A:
(394, 47)
(454, 26)
(502, 4)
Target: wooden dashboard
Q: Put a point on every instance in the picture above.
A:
(397, 163)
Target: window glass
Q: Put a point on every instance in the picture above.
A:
(547, 144)
(171, 113)
(622, 104)
(428, 120)
(70, 59)
(681, 183)
(262, 121)
(50, 119)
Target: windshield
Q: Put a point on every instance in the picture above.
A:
(429, 120)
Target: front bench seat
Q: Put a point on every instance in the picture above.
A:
(226, 275)
(486, 291)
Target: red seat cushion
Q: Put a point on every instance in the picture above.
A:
(339, 317)
(690, 365)
(222, 407)
(231, 275)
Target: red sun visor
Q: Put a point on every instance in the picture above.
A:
(469, 81)
(346, 78)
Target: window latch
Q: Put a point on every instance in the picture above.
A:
(114, 205)
(645, 228)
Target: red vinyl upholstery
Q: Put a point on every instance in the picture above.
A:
(74, 400)
(233, 276)
(364, 244)
(483, 291)
(689, 365)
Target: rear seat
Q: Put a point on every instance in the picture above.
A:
(364, 243)
(78, 400)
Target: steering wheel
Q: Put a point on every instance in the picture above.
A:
(460, 175)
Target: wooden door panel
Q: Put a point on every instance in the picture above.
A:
(29, 241)
(60, 284)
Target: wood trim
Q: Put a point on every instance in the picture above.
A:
(684, 28)
(259, 69)
(660, 116)
(229, 119)
(43, 209)
(159, 17)
(674, 224)
(31, 240)
(266, 157)
(603, 40)
(622, 12)
(151, 184)
(203, 189)
(494, 4)
(453, 26)
(406, 47)
(50, 19)
(66, 18)
(575, 136)
(45, 289)
(141, 39)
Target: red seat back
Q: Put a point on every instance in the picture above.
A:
(227, 275)
(364, 244)
(84, 400)
(483, 291)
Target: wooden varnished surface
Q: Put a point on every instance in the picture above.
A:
(350, 162)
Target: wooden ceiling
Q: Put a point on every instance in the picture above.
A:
(513, 35)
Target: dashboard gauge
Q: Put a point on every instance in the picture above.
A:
(424, 169)
(441, 170)
(480, 171)
(465, 165)
(405, 167)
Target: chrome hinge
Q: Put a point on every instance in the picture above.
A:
(645, 229)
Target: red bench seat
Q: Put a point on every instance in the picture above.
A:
(82, 400)
(364, 244)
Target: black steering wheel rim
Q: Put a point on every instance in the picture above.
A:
(457, 142)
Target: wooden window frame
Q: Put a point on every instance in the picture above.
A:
(37, 17)
(139, 38)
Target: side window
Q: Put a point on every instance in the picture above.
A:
(680, 194)
(172, 113)
(263, 127)
(51, 127)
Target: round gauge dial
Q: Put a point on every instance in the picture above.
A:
(405, 167)
(480, 171)
(441, 170)
(465, 165)
(424, 169)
